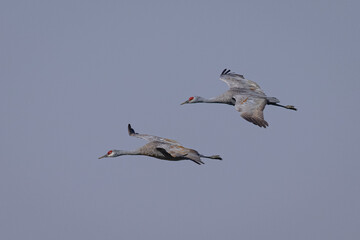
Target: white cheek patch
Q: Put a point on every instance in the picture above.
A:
(111, 154)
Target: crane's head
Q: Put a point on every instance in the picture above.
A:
(193, 99)
(110, 153)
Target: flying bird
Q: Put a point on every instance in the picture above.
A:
(245, 95)
(162, 148)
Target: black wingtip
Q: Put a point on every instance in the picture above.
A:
(130, 130)
(225, 71)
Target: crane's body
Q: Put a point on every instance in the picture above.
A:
(245, 95)
(161, 148)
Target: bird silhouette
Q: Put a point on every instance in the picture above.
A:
(245, 95)
(162, 148)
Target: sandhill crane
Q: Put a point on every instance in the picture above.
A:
(161, 148)
(245, 95)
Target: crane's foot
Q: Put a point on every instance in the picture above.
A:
(291, 107)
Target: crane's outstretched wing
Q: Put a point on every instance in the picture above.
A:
(177, 151)
(234, 80)
(251, 109)
(172, 151)
(150, 137)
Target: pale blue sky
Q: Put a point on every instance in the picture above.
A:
(75, 73)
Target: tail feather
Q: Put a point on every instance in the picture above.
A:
(272, 100)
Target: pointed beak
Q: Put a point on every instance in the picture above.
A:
(103, 156)
(187, 101)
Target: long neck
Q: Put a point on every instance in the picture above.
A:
(127, 152)
(211, 100)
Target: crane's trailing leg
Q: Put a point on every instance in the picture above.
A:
(212, 157)
(291, 107)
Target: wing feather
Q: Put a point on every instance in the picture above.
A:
(150, 138)
(177, 151)
(251, 109)
(173, 151)
(234, 80)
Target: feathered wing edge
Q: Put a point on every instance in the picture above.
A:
(251, 109)
(150, 138)
(257, 120)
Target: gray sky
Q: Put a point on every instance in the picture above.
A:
(75, 73)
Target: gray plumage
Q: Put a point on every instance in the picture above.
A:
(245, 95)
(162, 148)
